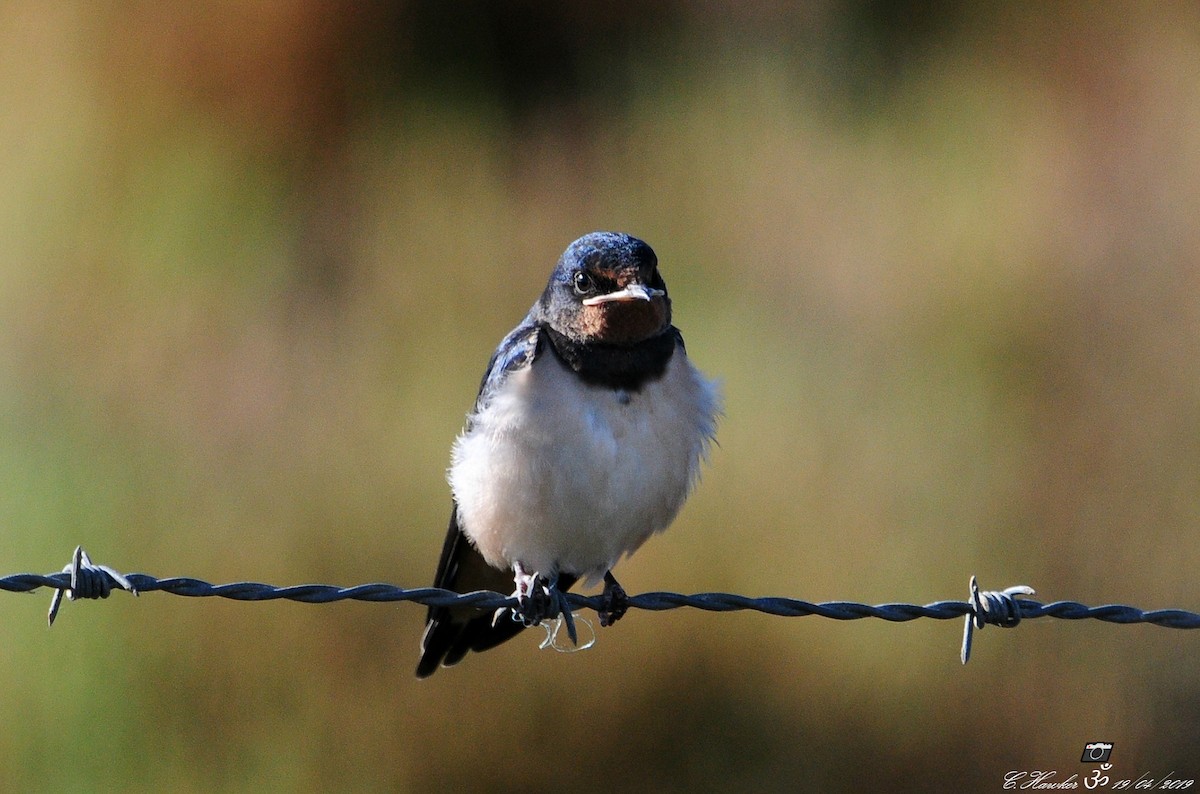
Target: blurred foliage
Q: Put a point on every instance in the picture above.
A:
(943, 258)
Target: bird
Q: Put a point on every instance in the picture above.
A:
(585, 439)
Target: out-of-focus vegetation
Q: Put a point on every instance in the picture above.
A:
(946, 261)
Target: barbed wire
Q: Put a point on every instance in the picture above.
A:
(84, 579)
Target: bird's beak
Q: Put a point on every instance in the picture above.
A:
(633, 292)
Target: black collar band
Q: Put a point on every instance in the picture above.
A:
(626, 367)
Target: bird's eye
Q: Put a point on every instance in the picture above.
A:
(583, 282)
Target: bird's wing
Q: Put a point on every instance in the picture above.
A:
(516, 352)
(452, 631)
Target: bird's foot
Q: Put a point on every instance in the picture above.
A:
(537, 597)
(616, 601)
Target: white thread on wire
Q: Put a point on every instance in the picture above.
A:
(553, 628)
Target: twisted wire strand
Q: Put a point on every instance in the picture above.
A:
(84, 579)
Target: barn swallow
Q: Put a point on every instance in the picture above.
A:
(585, 440)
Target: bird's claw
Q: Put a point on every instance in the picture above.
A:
(615, 601)
(536, 598)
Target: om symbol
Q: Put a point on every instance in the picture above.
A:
(1096, 779)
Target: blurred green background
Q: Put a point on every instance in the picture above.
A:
(944, 258)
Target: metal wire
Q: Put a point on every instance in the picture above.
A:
(84, 579)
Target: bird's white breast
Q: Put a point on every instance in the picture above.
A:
(566, 477)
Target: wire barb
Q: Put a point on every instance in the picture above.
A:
(997, 607)
(88, 580)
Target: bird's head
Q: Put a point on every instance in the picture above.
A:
(606, 288)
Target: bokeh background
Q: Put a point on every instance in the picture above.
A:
(944, 257)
